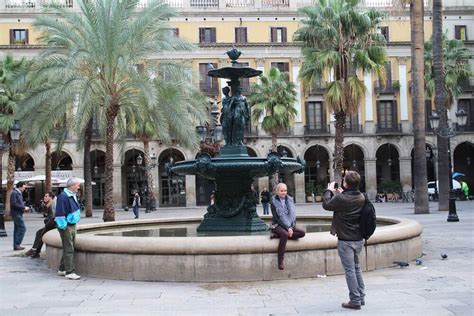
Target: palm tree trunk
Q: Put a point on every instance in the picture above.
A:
(443, 162)
(10, 179)
(88, 169)
(418, 104)
(338, 145)
(47, 167)
(109, 213)
(274, 177)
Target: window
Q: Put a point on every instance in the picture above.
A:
(241, 35)
(315, 116)
(460, 32)
(19, 36)
(283, 67)
(387, 116)
(385, 32)
(207, 35)
(208, 85)
(352, 123)
(245, 82)
(468, 106)
(278, 34)
(388, 76)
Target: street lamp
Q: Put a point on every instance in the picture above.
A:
(15, 131)
(448, 133)
(150, 203)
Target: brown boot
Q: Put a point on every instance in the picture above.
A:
(350, 305)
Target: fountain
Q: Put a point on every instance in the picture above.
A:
(234, 171)
(229, 243)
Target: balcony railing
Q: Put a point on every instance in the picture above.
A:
(204, 3)
(209, 90)
(251, 131)
(171, 3)
(394, 129)
(239, 3)
(275, 3)
(353, 129)
(389, 87)
(318, 89)
(324, 130)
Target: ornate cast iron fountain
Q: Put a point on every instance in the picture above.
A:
(234, 171)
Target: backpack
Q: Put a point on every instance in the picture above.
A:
(368, 219)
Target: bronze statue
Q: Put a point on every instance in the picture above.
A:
(234, 116)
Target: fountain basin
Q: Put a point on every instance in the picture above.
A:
(225, 258)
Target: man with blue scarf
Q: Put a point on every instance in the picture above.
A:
(68, 214)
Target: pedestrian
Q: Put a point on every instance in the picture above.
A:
(283, 220)
(136, 205)
(465, 190)
(67, 215)
(17, 206)
(347, 206)
(265, 199)
(49, 224)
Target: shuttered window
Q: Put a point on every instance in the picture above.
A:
(241, 35)
(278, 35)
(19, 36)
(207, 35)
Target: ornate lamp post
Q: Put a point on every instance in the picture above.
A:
(448, 133)
(150, 203)
(210, 144)
(15, 131)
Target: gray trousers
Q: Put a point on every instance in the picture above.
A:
(349, 253)
(68, 237)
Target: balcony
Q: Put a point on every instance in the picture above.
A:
(353, 129)
(318, 89)
(388, 87)
(251, 131)
(313, 131)
(32, 4)
(395, 129)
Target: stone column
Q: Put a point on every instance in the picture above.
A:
(296, 62)
(369, 112)
(190, 190)
(405, 173)
(402, 77)
(299, 188)
(370, 177)
(118, 195)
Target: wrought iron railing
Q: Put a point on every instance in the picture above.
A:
(395, 128)
(314, 131)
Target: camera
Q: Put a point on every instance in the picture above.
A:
(336, 185)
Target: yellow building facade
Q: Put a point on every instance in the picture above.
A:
(378, 139)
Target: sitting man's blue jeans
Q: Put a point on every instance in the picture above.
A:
(349, 253)
(19, 228)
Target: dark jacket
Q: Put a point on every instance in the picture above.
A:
(265, 196)
(16, 202)
(347, 208)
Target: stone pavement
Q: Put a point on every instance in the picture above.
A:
(438, 287)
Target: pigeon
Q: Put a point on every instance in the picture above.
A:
(210, 66)
(444, 256)
(418, 262)
(401, 264)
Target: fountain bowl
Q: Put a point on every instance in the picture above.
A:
(225, 258)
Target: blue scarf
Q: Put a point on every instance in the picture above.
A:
(286, 213)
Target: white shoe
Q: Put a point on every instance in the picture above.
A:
(73, 276)
(61, 273)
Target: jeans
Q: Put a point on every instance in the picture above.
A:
(349, 253)
(282, 233)
(68, 237)
(19, 228)
(136, 211)
(38, 243)
(266, 208)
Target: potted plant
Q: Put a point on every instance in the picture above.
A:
(396, 85)
(318, 193)
(309, 189)
(390, 188)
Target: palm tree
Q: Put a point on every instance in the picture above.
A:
(455, 69)
(337, 36)
(172, 117)
(418, 105)
(11, 93)
(274, 98)
(91, 56)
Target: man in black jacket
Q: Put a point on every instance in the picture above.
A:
(347, 206)
(49, 224)
(17, 206)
